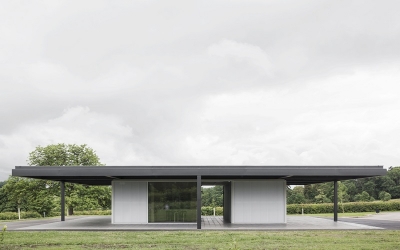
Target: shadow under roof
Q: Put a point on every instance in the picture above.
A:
(103, 175)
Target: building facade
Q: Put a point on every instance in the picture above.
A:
(172, 194)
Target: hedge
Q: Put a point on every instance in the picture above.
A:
(350, 207)
(210, 211)
(93, 212)
(14, 215)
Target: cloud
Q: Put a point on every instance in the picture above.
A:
(106, 134)
(210, 82)
(238, 52)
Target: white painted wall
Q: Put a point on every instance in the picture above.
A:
(129, 202)
(259, 202)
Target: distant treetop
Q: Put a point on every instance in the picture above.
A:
(63, 155)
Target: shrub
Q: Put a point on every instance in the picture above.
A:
(350, 207)
(384, 196)
(93, 212)
(26, 215)
(219, 211)
(14, 216)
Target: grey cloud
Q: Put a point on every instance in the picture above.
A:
(164, 68)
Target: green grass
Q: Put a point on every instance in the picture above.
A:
(334, 239)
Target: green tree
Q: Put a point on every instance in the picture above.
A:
(213, 196)
(17, 190)
(370, 187)
(351, 189)
(28, 195)
(310, 192)
(77, 195)
(364, 196)
(296, 195)
(64, 155)
(343, 196)
(384, 196)
(394, 175)
(3, 198)
(321, 197)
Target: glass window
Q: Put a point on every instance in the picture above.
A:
(172, 201)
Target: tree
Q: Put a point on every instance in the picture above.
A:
(17, 191)
(321, 197)
(394, 175)
(364, 196)
(213, 196)
(296, 195)
(64, 155)
(3, 197)
(310, 192)
(343, 196)
(384, 196)
(76, 195)
(350, 189)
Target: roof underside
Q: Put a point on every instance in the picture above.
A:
(103, 175)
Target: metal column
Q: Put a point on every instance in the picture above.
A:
(62, 185)
(199, 202)
(335, 201)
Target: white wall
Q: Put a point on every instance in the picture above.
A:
(259, 202)
(129, 202)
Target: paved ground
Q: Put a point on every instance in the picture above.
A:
(103, 223)
(29, 223)
(386, 220)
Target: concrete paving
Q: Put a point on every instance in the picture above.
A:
(13, 225)
(103, 223)
(387, 220)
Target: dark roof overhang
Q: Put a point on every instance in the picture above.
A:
(103, 175)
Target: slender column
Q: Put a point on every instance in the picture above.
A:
(335, 201)
(199, 202)
(62, 184)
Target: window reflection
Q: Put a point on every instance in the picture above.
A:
(172, 201)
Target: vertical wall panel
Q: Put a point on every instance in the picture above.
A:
(259, 202)
(129, 202)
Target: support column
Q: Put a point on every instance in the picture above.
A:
(335, 201)
(199, 202)
(62, 185)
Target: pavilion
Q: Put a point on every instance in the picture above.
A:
(172, 194)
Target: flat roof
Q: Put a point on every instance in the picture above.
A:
(103, 175)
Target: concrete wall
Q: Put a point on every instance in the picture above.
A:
(255, 201)
(259, 201)
(129, 202)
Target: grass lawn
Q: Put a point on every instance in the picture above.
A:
(334, 239)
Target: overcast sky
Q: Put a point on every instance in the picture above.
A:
(202, 82)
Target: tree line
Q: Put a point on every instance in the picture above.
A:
(43, 196)
(366, 189)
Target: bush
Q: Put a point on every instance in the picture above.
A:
(53, 213)
(14, 216)
(384, 196)
(350, 207)
(219, 211)
(93, 212)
